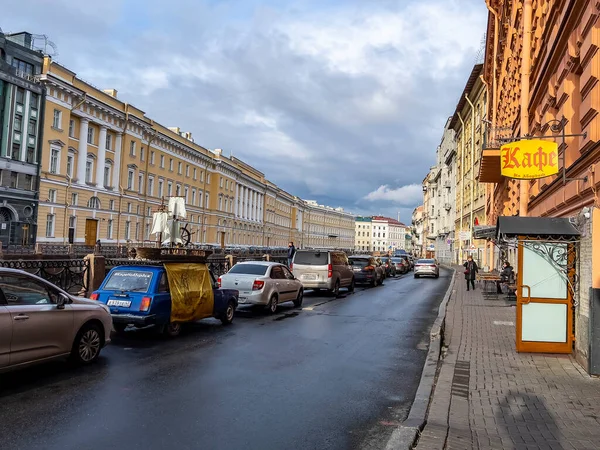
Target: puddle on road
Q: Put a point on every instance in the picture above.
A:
(285, 316)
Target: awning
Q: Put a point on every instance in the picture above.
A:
(489, 169)
(536, 227)
(484, 232)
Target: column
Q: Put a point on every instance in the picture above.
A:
(82, 151)
(101, 158)
(260, 207)
(116, 175)
(243, 202)
(253, 207)
(247, 205)
(235, 207)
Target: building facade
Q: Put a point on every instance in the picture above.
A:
(362, 236)
(106, 168)
(541, 67)
(21, 124)
(418, 231)
(469, 127)
(388, 234)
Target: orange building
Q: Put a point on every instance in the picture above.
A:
(542, 70)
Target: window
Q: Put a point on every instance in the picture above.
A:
(207, 200)
(72, 221)
(178, 190)
(74, 198)
(89, 166)
(50, 225)
(187, 170)
(227, 184)
(152, 157)
(90, 136)
(111, 205)
(127, 229)
(71, 128)
(169, 188)
(171, 164)
(142, 154)
(163, 285)
(162, 161)
(107, 175)
(108, 142)
(16, 151)
(109, 229)
(151, 187)
(94, 203)
(137, 231)
(52, 195)
(18, 122)
(186, 194)
(56, 119)
(20, 93)
(199, 198)
(130, 179)
(221, 182)
(23, 67)
(70, 159)
(23, 290)
(195, 172)
(33, 100)
(140, 183)
(54, 160)
(208, 178)
(148, 211)
(202, 176)
(160, 188)
(220, 203)
(179, 166)
(129, 208)
(132, 148)
(193, 197)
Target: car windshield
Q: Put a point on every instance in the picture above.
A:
(359, 262)
(426, 261)
(250, 269)
(129, 281)
(311, 258)
(397, 260)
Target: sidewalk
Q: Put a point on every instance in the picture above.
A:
(488, 396)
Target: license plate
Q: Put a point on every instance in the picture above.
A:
(122, 303)
(309, 276)
(242, 299)
(357, 269)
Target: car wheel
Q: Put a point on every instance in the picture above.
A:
(374, 281)
(119, 327)
(229, 313)
(437, 276)
(416, 276)
(336, 289)
(87, 345)
(299, 298)
(272, 306)
(352, 286)
(173, 329)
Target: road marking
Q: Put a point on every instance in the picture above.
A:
(503, 322)
(308, 308)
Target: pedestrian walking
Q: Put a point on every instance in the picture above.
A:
(291, 253)
(471, 270)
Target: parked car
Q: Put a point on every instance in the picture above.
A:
(390, 268)
(263, 283)
(141, 296)
(366, 270)
(402, 266)
(40, 322)
(408, 261)
(427, 267)
(323, 269)
(380, 264)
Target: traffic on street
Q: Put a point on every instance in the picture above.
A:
(323, 370)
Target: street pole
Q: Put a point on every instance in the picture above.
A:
(462, 187)
(472, 166)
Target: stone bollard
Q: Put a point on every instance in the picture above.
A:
(230, 260)
(97, 272)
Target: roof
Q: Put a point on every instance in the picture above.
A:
(388, 220)
(477, 68)
(535, 226)
(261, 263)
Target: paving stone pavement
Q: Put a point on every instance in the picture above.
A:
(488, 396)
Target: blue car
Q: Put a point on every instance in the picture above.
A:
(140, 296)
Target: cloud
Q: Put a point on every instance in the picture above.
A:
(331, 100)
(408, 195)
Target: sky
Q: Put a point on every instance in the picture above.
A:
(339, 101)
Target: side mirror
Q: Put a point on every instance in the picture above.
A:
(61, 301)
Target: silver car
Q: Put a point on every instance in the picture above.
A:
(427, 268)
(40, 322)
(323, 269)
(263, 283)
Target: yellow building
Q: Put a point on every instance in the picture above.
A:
(469, 126)
(106, 168)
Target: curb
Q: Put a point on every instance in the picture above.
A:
(406, 434)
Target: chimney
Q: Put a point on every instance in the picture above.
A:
(218, 151)
(111, 92)
(175, 130)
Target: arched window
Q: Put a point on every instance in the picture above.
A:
(94, 203)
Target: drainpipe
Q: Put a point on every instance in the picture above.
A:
(495, 56)
(121, 169)
(462, 187)
(472, 163)
(525, 73)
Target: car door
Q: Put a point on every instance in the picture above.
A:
(40, 329)
(5, 334)
(293, 285)
(218, 296)
(280, 283)
(345, 269)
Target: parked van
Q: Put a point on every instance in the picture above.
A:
(323, 269)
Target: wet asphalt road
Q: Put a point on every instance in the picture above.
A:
(340, 373)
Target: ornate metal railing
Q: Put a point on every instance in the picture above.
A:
(72, 275)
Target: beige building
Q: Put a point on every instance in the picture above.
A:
(106, 168)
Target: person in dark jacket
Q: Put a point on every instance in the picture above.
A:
(291, 253)
(507, 276)
(471, 270)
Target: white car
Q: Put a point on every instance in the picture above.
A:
(427, 268)
(40, 322)
(263, 283)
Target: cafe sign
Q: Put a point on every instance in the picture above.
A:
(529, 159)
